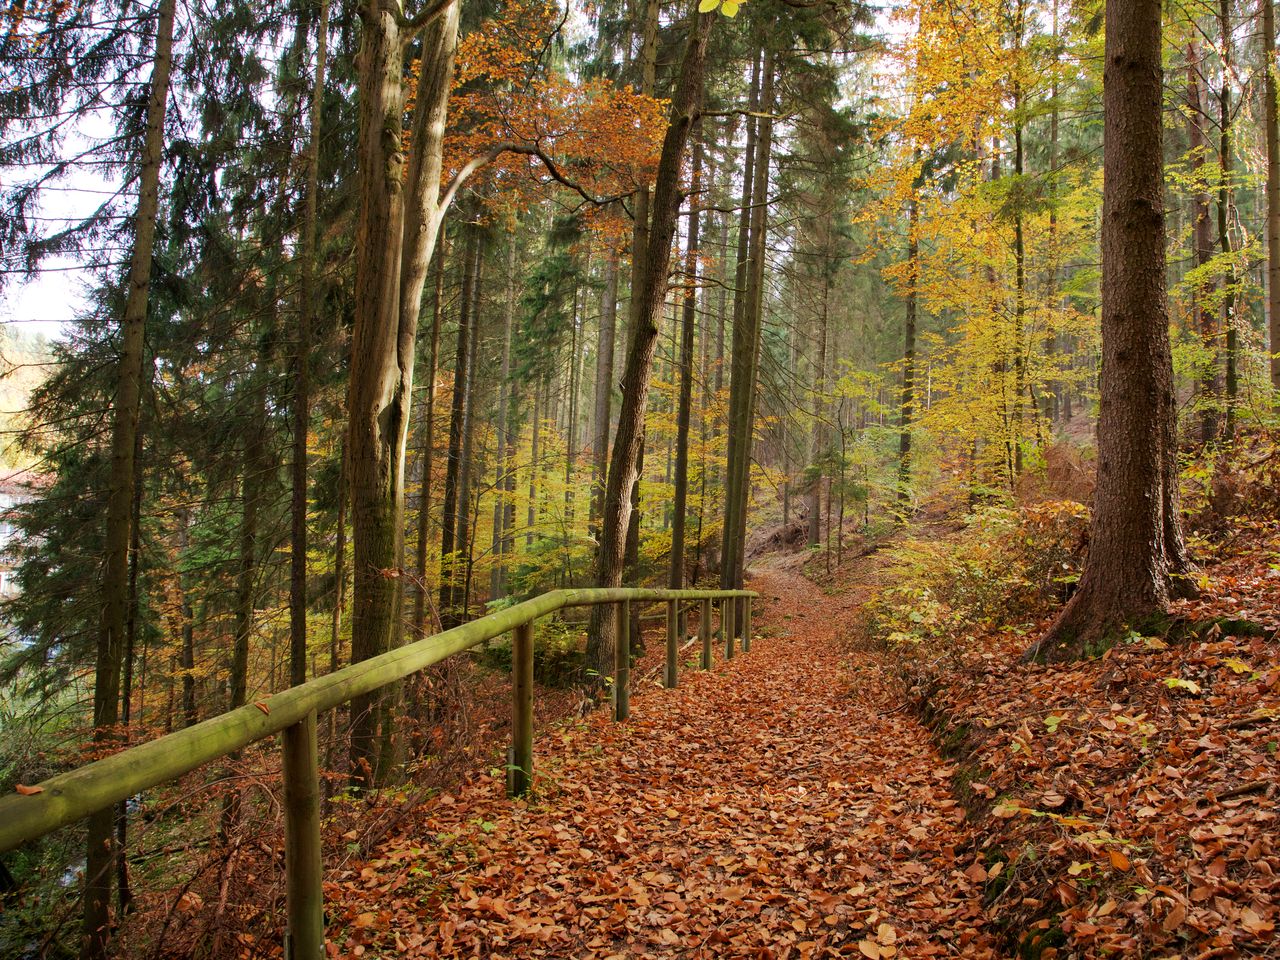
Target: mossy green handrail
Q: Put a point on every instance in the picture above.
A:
(74, 795)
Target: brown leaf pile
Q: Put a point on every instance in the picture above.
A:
(1130, 800)
(773, 808)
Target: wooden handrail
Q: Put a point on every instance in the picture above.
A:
(76, 794)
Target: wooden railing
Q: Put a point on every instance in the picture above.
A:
(72, 796)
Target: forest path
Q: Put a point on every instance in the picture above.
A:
(781, 805)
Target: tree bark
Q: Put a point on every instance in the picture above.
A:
(1273, 189)
(909, 355)
(453, 480)
(428, 453)
(302, 371)
(394, 244)
(638, 369)
(688, 316)
(1209, 385)
(1224, 221)
(100, 852)
(1126, 578)
(604, 387)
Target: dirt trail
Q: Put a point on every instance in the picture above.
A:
(779, 806)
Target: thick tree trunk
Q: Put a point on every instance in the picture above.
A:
(394, 244)
(1126, 577)
(100, 856)
(638, 369)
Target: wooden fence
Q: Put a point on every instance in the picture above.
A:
(76, 794)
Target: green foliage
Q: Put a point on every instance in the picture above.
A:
(557, 652)
(1006, 568)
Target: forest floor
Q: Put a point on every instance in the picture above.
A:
(826, 795)
(787, 804)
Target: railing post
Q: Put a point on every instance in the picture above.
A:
(520, 767)
(622, 662)
(704, 634)
(746, 624)
(728, 607)
(673, 643)
(304, 868)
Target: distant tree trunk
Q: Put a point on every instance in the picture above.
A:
(462, 544)
(817, 442)
(302, 372)
(124, 896)
(684, 404)
(497, 577)
(100, 853)
(1020, 381)
(743, 400)
(652, 295)
(1224, 219)
(742, 347)
(428, 452)
(1126, 578)
(451, 514)
(1273, 189)
(247, 567)
(604, 386)
(909, 354)
(1209, 385)
(535, 451)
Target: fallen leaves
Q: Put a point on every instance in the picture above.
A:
(766, 809)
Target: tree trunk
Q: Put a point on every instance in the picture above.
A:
(1224, 220)
(1273, 189)
(451, 514)
(741, 345)
(302, 372)
(1209, 385)
(100, 852)
(638, 369)
(604, 387)
(394, 245)
(1126, 577)
(743, 401)
(688, 316)
(909, 356)
(497, 576)
(428, 452)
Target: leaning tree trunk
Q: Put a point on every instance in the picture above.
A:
(1126, 576)
(644, 337)
(100, 853)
